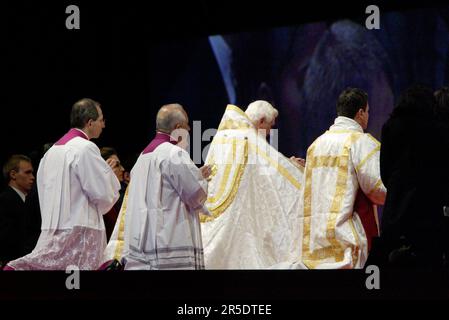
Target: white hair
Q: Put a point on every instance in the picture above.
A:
(259, 109)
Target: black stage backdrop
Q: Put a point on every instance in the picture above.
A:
(129, 56)
(133, 57)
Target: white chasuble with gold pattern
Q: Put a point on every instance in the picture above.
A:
(254, 196)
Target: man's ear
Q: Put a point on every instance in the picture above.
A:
(179, 136)
(12, 175)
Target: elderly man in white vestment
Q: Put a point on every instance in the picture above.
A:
(76, 187)
(341, 163)
(254, 195)
(161, 227)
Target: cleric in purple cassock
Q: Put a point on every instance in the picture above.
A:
(76, 187)
(114, 249)
(158, 227)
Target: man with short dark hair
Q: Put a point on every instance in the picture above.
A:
(342, 167)
(76, 187)
(18, 173)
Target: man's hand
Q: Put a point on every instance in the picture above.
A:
(111, 162)
(298, 161)
(206, 170)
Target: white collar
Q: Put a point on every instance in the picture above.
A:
(160, 132)
(166, 134)
(345, 123)
(20, 193)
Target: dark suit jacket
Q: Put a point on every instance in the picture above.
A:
(413, 164)
(33, 219)
(12, 226)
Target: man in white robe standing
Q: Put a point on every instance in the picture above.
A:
(341, 164)
(254, 195)
(166, 193)
(76, 187)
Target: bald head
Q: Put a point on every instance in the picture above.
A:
(170, 117)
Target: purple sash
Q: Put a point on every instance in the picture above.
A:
(158, 140)
(73, 133)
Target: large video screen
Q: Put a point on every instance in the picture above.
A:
(301, 70)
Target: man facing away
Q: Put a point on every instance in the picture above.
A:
(254, 195)
(339, 164)
(18, 172)
(161, 227)
(76, 187)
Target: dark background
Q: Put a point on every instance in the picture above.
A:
(116, 59)
(127, 56)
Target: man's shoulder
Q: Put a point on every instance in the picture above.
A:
(168, 149)
(350, 138)
(368, 139)
(7, 192)
(173, 154)
(9, 195)
(82, 145)
(164, 151)
(73, 151)
(349, 134)
(339, 136)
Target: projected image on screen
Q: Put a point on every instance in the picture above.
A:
(302, 69)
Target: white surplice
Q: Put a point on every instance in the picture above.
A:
(254, 197)
(76, 187)
(161, 224)
(338, 163)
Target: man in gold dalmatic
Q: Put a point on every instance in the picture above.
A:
(342, 167)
